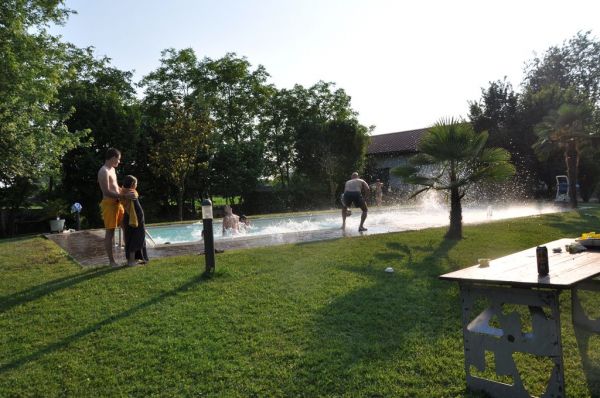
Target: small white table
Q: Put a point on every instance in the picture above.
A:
(513, 280)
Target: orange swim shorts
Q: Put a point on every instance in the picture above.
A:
(112, 213)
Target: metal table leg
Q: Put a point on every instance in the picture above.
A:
(506, 337)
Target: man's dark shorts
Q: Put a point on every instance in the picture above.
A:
(353, 198)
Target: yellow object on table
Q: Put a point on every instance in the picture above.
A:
(590, 235)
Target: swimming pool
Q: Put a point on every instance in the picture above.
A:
(379, 221)
(262, 226)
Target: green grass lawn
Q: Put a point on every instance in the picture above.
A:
(316, 319)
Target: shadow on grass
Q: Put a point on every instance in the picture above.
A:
(591, 367)
(36, 292)
(399, 317)
(432, 263)
(95, 327)
(400, 251)
(586, 325)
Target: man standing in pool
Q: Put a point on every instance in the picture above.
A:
(353, 194)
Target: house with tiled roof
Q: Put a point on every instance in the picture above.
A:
(387, 151)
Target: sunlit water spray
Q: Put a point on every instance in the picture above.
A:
(431, 212)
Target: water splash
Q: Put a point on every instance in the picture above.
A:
(432, 200)
(427, 214)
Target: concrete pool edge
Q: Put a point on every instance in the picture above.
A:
(87, 247)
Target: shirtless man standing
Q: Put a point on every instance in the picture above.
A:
(112, 210)
(353, 194)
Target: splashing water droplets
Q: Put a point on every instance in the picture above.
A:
(430, 211)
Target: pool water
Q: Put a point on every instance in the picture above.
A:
(257, 227)
(378, 221)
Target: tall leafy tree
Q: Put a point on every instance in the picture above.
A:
(497, 113)
(500, 113)
(329, 152)
(238, 96)
(566, 73)
(534, 106)
(565, 129)
(176, 155)
(330, 143)
(327, 103)
(289, 116)
(285, 113)
(233, 171)
(102, 100)
(33, 134)
(589, 172)
(177, 120)
(452, 157)
(575, 65)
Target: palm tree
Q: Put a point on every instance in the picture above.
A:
(563, 129)
(451, 158)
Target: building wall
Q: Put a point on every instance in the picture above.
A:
(384, 163)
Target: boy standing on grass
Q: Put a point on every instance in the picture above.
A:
(134, 225)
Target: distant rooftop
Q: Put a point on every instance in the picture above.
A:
(402, 141)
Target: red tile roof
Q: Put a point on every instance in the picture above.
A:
(403, 141)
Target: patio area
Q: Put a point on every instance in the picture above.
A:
(87, 247)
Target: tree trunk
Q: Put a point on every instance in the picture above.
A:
(455, 230)
(332, 195)
(193, 203)
(571, 160)
(282, 175)
(180, 203)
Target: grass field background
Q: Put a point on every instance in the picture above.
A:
(306, 320)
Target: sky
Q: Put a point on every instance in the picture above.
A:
(405, 64)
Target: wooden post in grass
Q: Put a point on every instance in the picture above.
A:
(208, 236)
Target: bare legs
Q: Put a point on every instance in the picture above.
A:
(344, 211)
(109, 238)
(363, 217)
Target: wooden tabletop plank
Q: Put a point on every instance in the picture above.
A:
(520, 269)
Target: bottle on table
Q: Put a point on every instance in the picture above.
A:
(541, 253)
